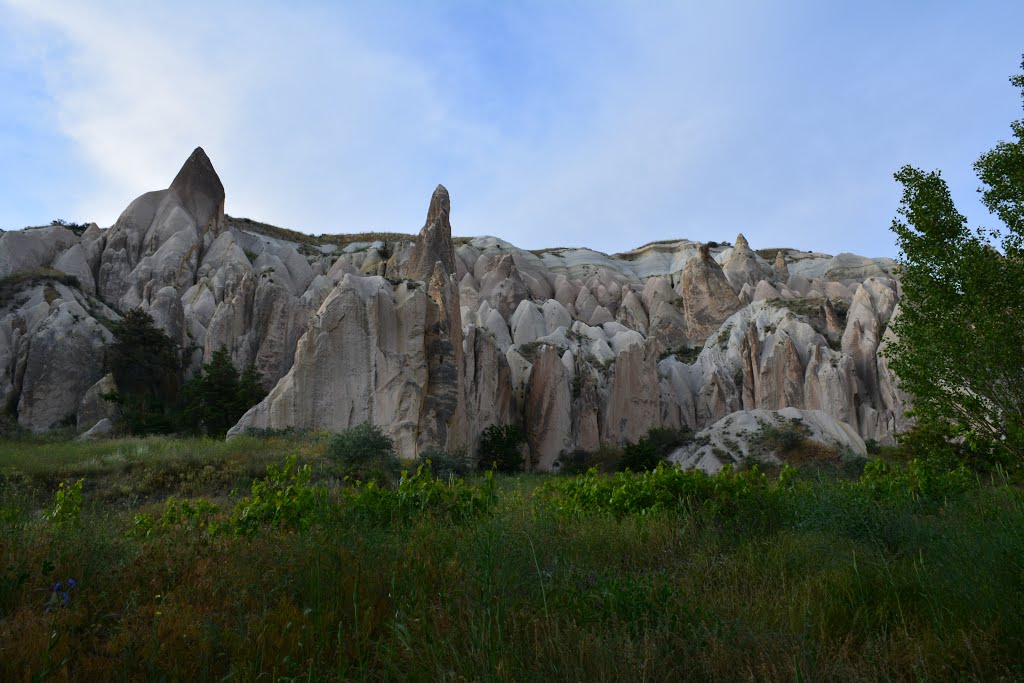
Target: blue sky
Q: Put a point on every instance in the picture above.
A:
(604, 124)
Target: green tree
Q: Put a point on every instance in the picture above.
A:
(501, 448)
(217, 397)
(146, 365)
(960, 352)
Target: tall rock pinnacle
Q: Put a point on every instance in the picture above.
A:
(199, 188)
(434, 242)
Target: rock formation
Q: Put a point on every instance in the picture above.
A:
(435, 342)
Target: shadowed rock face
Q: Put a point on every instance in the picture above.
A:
(200, 191)
(434, 243)
(708, 299)
(582, 349)
(443, 422)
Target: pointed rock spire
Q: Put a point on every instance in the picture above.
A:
(781, 270)
(199, 188)
(434, 243)
(741, 242)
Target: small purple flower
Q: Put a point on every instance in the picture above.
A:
(71, 583)
(56, 587)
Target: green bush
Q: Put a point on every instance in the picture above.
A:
(364, 453)
(919, 481)
(579, 461)
(185, 514)
(422, 494)
(652, 450)
(444, 465)
(66, 511)
(501, 448)
(659, 489)
(640, 457)
(283, 499)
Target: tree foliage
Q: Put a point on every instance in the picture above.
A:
(217, 397)
(501, 448)
(364, 453)
(146, 365)
(960, 347)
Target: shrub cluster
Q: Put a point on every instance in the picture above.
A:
(650, 451)
(364, 453)
(419, 494)
(918, 485)
(501, 448)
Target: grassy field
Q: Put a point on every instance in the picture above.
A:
(901, 574)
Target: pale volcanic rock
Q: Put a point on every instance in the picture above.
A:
(742, 265)
(676, 396)
(74, 262)
(632, 408)
(488, 383)
(64, 359)
(492, 321)
(894, 401)
(764, 292)
(36, 248)
(105, 427)
(259, 324)
(501, 285)
(555, 316)
(548, 410)
(844, 267)
(737, 438)
(168, 314)
(361, 359)
(708, 299)
(158, 239)
(527, 323)
(860, 342)
(443, 422)
(93, 407)
(780, 269)
(224, 265)
(600, 316)
(632, 314)
(586, 303)
(830, 385)
(488, 306)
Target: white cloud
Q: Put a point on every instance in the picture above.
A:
(606, 124)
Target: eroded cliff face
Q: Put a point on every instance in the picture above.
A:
(435, 339)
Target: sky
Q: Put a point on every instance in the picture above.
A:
(552, 123)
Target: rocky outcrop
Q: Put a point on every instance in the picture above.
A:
(64, 359)
(363, 358)
(548, 410)
(488, 381)
(94, 408)
(744, 266)
(442, 420)
(747, 435)
(708, 299)
(159, 239)
(584, 349)
(25, 250)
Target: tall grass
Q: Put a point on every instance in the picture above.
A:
(767, 579)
